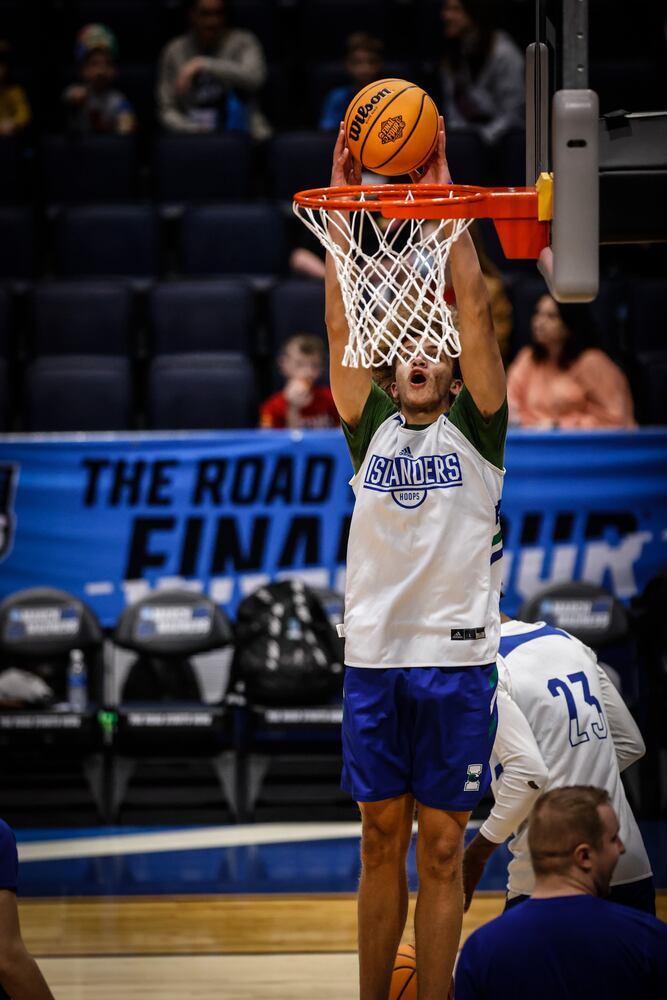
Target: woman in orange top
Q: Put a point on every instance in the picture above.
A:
(561, 379)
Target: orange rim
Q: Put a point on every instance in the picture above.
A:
(514, 210)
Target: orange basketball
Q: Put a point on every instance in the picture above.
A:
(391, 127)
(404, 976)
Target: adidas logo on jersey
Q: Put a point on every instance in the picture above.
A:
(406, 451)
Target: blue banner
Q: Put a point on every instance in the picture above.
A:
(108, 518)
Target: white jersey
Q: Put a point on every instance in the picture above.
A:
(423, 561)
(560, 722)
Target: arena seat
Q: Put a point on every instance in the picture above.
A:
(13, 170)
(107, 240)
(169, 670)
(297, 161)
(187, 316)
(234, 239)
(92, 317)
(296, 306)
(5, 325)
(137, 81)
(4, 396)
(647, 302)
(651, 387)
(42, 742)
(206, 391)
(468, 157)
(328, 23)
(202, 167)
(17, 244)
(286, 752)
(74, 392)
(89, 168)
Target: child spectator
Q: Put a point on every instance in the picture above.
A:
(208, 78)
(15, 111)
(301, 403)
(94, 106)
(363, 62)
(482, 74)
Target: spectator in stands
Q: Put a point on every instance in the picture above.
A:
(93, 105)
(20, 976)
(562, 379)
(566, 941)
(301, 403)
(15, 114)
(482, 72)
(363, 62)
(208, 78)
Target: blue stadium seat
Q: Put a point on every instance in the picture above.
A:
(647, 306)
(651, 387)
(108, 240)
(78, 393)
(202, 316)
(91, 317)
(89, 168)
(510, 167)
(13, 170)
(137, 82)
(17, 243)
(325, 24)
(203, 167)
(468, 157)
(234, 239)
(208, 391)
(297, 161)
(4, 396)
(296, 306)
(5, 325)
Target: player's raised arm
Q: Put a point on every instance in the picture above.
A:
(350, 386)
(481, 363)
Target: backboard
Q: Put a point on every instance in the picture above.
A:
(610, 172)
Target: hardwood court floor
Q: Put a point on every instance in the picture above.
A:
(239, 948)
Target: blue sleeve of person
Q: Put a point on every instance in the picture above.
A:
(9, 859)
(237, 114)
(334, 108)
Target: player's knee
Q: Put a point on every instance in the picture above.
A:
(440, 859)
(381, 844)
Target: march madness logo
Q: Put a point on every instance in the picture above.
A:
(391, 129)
(409, 479)
(9, 475)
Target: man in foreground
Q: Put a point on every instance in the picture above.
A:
(566, 940)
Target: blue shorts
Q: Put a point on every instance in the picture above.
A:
(424, 730)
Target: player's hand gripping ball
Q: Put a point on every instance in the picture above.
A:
(391, 127)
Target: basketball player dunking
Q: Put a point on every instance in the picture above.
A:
(422, 622)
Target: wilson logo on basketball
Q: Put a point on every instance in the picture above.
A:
(391, 129)
(364, 111)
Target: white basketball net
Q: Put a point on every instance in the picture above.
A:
(392, 279)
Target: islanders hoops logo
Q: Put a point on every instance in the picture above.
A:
(8, 480)
(409, 479)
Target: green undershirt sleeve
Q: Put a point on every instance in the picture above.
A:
(377, 408)
(486, 436)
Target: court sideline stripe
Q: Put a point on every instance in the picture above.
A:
(189, 840)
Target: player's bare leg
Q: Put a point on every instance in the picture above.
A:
(439, 912)
(383, 890)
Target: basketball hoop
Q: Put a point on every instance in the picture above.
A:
(390, 244)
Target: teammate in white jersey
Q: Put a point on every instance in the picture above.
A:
(561, 722)
(421, 613)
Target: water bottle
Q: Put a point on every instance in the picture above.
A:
(77, 682)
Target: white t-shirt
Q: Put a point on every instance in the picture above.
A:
(423, 560)
(560, 722)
